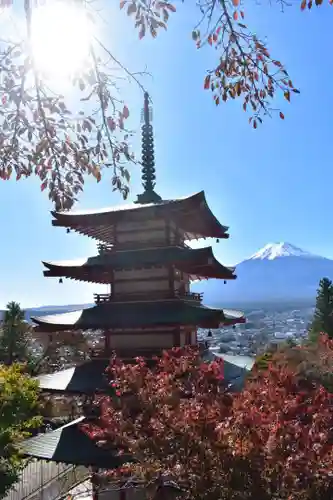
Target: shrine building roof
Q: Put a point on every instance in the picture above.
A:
(71, 445)
(197, 262)
(191, 214)
(140, 314)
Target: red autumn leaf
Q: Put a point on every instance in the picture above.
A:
(125, 112)
(303, 5)
(207, 82)
(131, 9)
(281, 115)
(111, 123)
(43, 186)
(235, 3)
(142, 32)
(176, 414)
(171, 7)
(235, 15)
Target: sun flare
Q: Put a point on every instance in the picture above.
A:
(61, 34)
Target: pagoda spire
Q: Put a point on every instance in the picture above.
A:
(148, 158)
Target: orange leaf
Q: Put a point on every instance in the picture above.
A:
(281, 115)
(235, 3)
(235, 15)
(142, 32)
(111, 123)
(171, 7)
(207, 82)
(217, 101)
(125, 112)
(303, 5)
(287, 95)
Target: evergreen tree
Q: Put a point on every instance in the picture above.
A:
(14, 335)
(18, 416)
(323, 316)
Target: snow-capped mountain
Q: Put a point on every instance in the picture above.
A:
(272, 251)
(277, 272)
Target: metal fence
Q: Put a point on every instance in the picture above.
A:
(42, 480)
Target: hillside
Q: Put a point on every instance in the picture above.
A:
(277, 272)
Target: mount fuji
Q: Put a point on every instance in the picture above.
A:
(277, 272)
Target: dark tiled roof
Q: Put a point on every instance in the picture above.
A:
(196, 261)
(88, 378)
(69, 444)
(191, 214)
(139, 314)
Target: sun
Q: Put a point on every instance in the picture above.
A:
(61, 34)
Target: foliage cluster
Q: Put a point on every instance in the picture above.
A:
(323, 316)
(43, 135)
(273, 440)
(18, 414)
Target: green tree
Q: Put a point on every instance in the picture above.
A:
(14, 335)
(18, 414)
(323, 315)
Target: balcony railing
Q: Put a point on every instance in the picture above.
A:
(189, 296)
(140, 245)
(102, 298)
(103, 248)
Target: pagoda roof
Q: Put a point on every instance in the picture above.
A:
(192, 214)
(198, 262)
(139, 315)
(70, 445)
(88, 378)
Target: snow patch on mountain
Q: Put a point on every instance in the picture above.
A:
(273, 251)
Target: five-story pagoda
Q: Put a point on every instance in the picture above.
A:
(144, 258)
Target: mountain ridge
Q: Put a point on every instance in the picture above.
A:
(276, 272)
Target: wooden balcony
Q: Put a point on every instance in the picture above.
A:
(140, 245)
(102, 298)
(103, 248)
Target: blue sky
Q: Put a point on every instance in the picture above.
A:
(269, 184)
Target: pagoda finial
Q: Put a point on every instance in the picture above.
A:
(148, 158)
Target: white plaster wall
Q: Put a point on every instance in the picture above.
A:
(141, 273)
(141, 286)
(141, 341)
(141, 225)
(143, 236)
